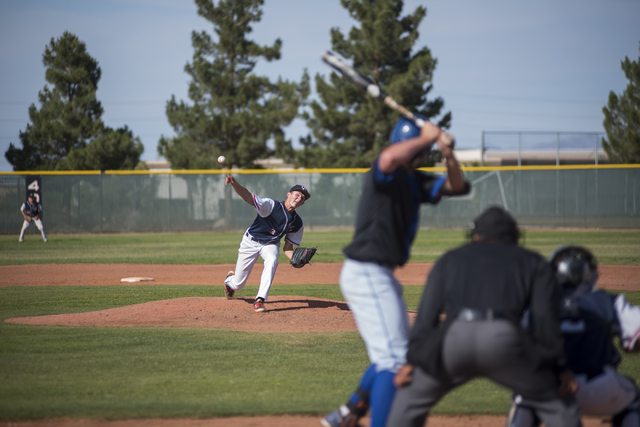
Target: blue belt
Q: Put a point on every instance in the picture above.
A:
(262, 242)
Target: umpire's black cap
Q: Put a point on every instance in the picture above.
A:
(302, 189)
(495, 223)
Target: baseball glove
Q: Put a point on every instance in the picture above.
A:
(302, 256)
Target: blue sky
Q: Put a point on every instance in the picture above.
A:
(506, 65)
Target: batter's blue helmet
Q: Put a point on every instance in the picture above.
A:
(405, 129)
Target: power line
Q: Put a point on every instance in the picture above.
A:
(102, 102)
(144, 135)
(521, 98)
(512, 113)
(468, 95)
(129, 119)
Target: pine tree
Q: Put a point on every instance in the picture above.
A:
(235, 113)
(349, 128)
(622, 118)
(69, 120)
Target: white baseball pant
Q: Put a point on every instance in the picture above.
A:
(247, 257)
(38, 224)
(375, 299)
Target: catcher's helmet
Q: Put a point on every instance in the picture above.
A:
(574, 265)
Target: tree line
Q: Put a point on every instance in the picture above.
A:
(233, 112)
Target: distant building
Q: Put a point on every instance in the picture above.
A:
(274, 163)
(530, 157)
(158, 165)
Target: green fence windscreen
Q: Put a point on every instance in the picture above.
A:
(117, 203)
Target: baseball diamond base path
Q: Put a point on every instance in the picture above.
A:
(270, 421)
(284, 314)
(620, 277)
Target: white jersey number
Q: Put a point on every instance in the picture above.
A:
(35, 187)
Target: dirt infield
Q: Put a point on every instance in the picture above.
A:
(621, 277)
(284, 314)
(270, 421)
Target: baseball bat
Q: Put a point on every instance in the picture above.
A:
(368, 85)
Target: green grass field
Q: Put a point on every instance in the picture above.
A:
(116, 373)
(610, 247)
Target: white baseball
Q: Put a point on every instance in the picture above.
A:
(373, 90)
(222, 159)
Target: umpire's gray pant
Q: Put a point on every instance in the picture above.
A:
(492, 349)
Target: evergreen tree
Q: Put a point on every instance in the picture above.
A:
(113, 149)
(349, 128)
(234, 113)
(622, 118)
(67, 131)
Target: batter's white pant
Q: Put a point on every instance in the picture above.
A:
(375, 299)
(247, 257)
(38, 223)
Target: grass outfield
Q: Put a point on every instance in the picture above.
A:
(610, 247)
(115, 373)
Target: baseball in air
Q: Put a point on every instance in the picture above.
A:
(222, 159)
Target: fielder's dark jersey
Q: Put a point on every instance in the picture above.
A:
(274, 222)
(499, 276)
(389, 213)
(31, 210)
(589, 324)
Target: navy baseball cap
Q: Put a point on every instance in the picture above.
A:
(495, 222)
(302, 189)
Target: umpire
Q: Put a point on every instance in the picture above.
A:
(468, 325)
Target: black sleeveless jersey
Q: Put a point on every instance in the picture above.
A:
(389, 214)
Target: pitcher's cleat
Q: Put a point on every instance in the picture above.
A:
(228, 292)
(258, 306)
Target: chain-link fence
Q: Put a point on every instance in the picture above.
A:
(602, 197)
(534, 148)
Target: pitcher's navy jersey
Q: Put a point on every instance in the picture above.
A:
(31, 210)
(274, 221)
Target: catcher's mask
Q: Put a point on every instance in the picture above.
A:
(495, 224)
(574, 266)
(406, 129)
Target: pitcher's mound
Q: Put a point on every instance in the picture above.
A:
(284, 314)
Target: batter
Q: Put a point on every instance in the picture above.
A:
(386, 224)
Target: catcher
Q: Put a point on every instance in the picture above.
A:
(274, 220)
(590, 321)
